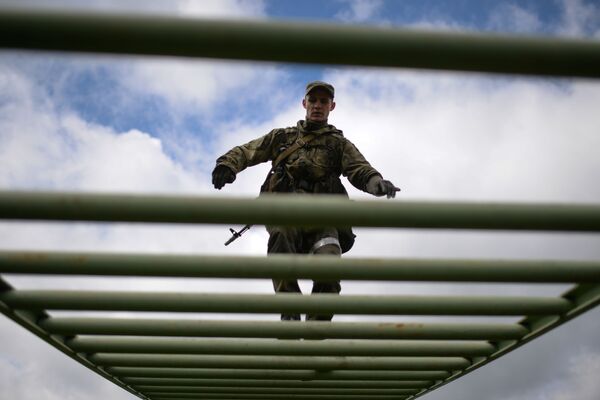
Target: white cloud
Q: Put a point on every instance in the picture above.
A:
(359, 10)
(62, 151)
(475, 139)
(190, 86)
(579, 380)
(191, 8)
(222, 8)
(512, 18)
(580, 18)
(582, 382)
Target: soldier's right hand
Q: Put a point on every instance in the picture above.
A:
(222, 175)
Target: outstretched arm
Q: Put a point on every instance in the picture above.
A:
(362, 175)
(241, 157)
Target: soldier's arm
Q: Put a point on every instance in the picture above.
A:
(254, 152)
(362, 175)
(355, 167)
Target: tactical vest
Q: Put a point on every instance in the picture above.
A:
(312, 169)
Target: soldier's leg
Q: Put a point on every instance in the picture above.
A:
(327, 244)
(284, 240)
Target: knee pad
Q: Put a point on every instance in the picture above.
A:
(327, 245)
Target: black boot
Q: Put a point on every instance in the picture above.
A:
(290, 317)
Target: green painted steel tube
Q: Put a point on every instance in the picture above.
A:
(296, 42)
(145, 383)
(297, 211)
(282, 330)
(204, 391)
(280, 347)
(278, 362)
(275, 374)
(284, 303)
(238, 396)
(300, 267)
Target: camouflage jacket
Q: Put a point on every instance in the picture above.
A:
(315, 167)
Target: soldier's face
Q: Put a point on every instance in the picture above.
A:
(318, 105)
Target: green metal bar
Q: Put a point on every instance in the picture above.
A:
(300, 267)
(583, 297)
(283, 303)
(29, 321)
(298, 211)
(296, 42)
(160, 382)
(274, 374)
(282, 330)
(280, 347)
(204, 391)
(218, 396)
(278, 362)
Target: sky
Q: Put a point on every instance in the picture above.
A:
(146, 125)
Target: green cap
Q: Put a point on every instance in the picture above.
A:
(320, 84)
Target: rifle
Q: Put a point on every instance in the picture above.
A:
(236, 235)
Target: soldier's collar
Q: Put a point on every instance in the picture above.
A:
(315, 128)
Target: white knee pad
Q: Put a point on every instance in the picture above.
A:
(324, 242)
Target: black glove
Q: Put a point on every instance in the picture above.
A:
(222, 175)
(388, 189)
(380, 187)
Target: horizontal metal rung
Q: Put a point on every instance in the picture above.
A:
(383, 384)
(297, 210)
(238, 396)
(298, 42)
(300, 266)
(288, 330)
(205, 391)
(280, 347)
(279, 362)
(280, 375)
(283, 303)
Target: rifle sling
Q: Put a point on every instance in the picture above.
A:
(300, 142)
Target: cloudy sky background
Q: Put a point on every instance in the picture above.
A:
(156, 125)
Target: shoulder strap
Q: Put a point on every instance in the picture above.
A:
(300, 142)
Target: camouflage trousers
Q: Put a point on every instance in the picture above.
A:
(292, 240)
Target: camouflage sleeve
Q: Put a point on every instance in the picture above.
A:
(355, 167)
(254, 152)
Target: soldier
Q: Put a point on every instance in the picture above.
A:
(307, 158)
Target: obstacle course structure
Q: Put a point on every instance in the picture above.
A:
(170, 359)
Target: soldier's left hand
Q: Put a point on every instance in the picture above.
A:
(378, 186)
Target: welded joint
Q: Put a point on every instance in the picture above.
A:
(421, 392)
(578, 299)
(65, 339)
(541, 323)
(477, 360)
